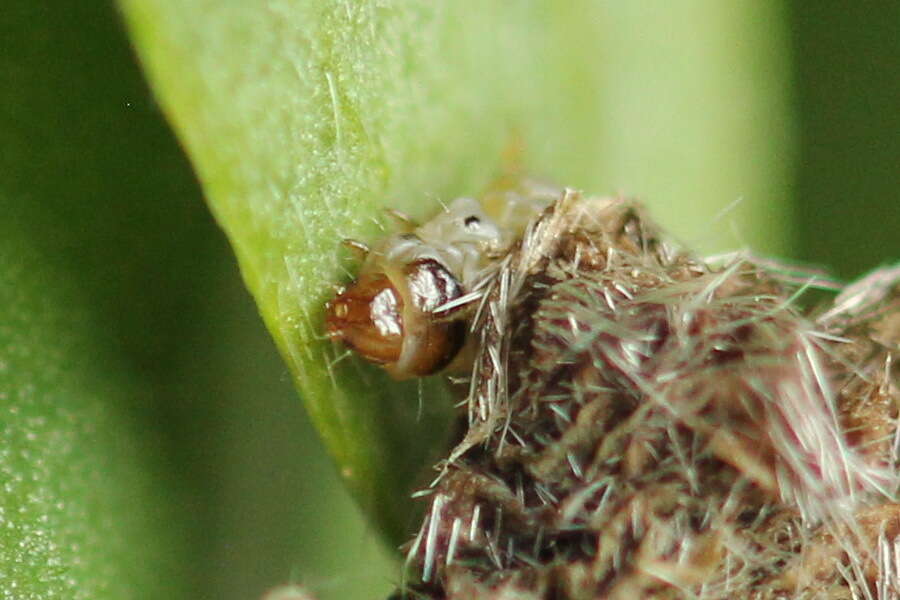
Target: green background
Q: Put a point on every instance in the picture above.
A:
(153, 444)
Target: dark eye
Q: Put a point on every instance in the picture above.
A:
(472, 222)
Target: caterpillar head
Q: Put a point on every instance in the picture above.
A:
(390, 315)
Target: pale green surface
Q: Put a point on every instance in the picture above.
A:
(304, 118)
(84, 512)
(696, 119)
(89, 504)
(280, 513)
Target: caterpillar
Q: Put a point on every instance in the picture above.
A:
(400, 311)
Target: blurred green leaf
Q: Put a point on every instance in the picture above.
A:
(84, 508)
(90, 505)
(847, 90)
(304, 119)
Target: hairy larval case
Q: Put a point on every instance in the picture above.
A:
(641, 423)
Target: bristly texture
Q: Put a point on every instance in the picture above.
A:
(642, 424)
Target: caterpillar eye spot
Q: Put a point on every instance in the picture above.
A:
(472, 222)
(341, 311)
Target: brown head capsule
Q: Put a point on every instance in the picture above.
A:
(366, 317)
(390, 317)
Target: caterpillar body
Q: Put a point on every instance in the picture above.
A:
(399, 311)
